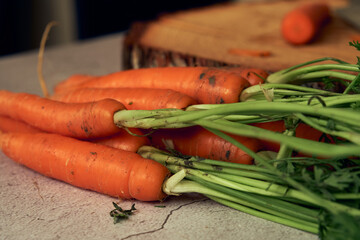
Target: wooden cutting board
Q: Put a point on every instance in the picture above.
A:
(214, 33)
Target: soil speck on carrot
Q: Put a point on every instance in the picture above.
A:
(212, 80)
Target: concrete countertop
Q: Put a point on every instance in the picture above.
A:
(36, 207)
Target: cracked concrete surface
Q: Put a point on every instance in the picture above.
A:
(167, 218)
(35, 207)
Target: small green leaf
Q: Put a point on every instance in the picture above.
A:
(338, 181)
(318, 173)
(328, 83)
(118, 214)
(355, 106)
(355, 44)
(341, 226)
(160, 206)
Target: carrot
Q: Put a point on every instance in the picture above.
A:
(254, 76)
(204, 84)
(132, 98)
(302, 131)
(87, 165)
(72, 81)
(304, 23)
(354, 38)
(10, 125)
(121, 140)
(124, 140)
(80, 120)
(197, 141)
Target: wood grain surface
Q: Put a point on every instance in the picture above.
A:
(247, 34)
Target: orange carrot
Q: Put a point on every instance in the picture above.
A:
(132, 98)
(197, 141)
(124, 140)
(302, 131)
(87, 165)
(10, 125)
(72, 81)
(254, 76)
(80, 120)
(354, 37)
(204, 84)
(303, 24)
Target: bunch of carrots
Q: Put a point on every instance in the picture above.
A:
(93, 133)
(73, 134)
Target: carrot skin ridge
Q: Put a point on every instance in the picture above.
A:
(87, 165)
(80, 120)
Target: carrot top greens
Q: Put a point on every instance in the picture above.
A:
(287, 192)
(318, 193)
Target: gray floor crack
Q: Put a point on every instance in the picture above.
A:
(166, 219)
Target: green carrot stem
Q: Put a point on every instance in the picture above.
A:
(332, 101)
(346, 196)
(282, 89)
(285, 151)
(331, 66)
(207, 164)
(125, 118)
(352, 84)
(319, 75)
(227, 181)
(268, 204)
(272, 190)
(303, 194)
(329, 100)
(283, 221)
(303, 145)
(278, 204)
(285, 200)
(313, 122)
(256, 206)
(269, 186)
(339, 101)
(247, 177)
(253, 118)
(241, 118)
(311, 72)
(284, 86)
(261, 188)
(278, 95)
(337, 60)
